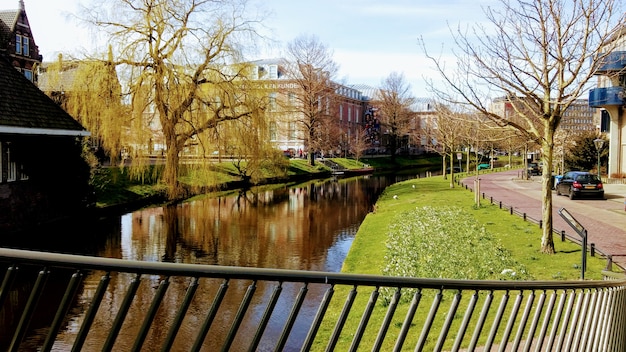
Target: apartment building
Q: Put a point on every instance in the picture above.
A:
(609, 99)
(350, 107)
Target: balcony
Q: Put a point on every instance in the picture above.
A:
(614, 61)
(610, 96)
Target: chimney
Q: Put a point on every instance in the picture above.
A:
(21, 5)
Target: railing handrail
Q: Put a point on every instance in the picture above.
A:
(70, 261)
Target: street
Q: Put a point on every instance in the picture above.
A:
(604, 220)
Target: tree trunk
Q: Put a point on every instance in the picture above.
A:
(547, 148)
(310, 147)
(451, 170)
(393, 145)
(170, 174)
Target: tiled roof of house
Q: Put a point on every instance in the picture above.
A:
(25, 109)
(8, 19)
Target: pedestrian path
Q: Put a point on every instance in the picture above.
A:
(604, 220)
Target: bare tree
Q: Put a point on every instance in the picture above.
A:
(537, 54)
(310, 65)
(359, 144)
(447, 134)
(169, 51)
(478, 134)
(395, 109)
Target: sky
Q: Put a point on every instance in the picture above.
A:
(369, 39)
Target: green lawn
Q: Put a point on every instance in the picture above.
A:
(518, 244)
(522, 239)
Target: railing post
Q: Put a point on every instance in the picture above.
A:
(511, 210)
(592, 249)
(540, 224)
(500, 204)
(524, 216)
(562, 235)
(609, 262)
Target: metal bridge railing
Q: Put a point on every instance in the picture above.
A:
(347, 312)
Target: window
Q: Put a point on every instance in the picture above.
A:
(12, 176)
(12, 167)
(272, 102)
(22, 45)
(28, 74)
(25, 46)
(273, 71)
(292, 131)
(18, 44)
(23, 175)
(272, 131)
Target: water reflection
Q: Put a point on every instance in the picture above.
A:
(292, 228)
(306, 226)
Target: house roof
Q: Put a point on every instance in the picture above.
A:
(25, 109)
(8, 19)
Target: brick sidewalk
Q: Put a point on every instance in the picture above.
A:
(604, 220)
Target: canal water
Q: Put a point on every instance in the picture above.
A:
(307, 226)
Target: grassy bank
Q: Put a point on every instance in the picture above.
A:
(522, 239)
(436, 226)
(119, 185)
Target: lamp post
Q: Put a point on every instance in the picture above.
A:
(598, 142)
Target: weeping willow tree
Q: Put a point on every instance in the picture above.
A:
(91, 93)
(250, 151)
(168, 51)
(244, 141)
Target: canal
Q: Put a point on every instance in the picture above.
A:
(307, 226)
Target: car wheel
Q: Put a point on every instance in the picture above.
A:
(572, 195)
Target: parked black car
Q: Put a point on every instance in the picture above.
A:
(534, 169)
(580, 183)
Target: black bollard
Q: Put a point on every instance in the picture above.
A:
(592, 250)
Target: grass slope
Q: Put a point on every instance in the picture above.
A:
(517, 243)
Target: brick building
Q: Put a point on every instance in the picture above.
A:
(17, 43)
